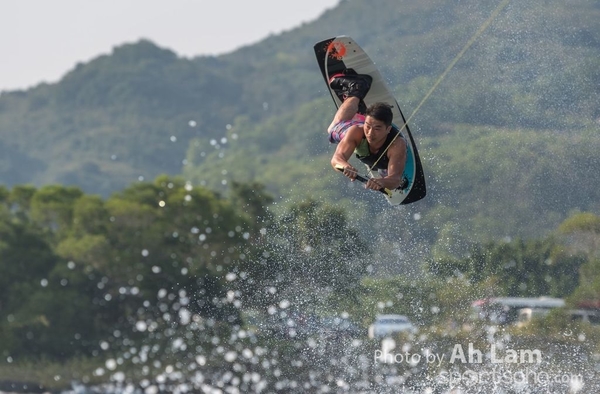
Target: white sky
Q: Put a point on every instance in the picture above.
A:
(41, 40)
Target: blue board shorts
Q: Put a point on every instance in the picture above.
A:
(338, 130)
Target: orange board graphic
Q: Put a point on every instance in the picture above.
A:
(336, 50)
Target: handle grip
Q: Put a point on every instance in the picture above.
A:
(364, 179)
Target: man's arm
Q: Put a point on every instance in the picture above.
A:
(397, 159)
(344, 151)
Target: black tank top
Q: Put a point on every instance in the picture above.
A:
(363, 153)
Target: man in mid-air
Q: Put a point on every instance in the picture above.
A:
(368, 132)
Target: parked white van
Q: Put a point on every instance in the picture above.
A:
(585, 315)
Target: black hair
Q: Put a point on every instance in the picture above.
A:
(381, 112)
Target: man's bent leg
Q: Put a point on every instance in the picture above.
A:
(346, 118)
(346, 111)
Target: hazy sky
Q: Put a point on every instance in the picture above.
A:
(41, 40)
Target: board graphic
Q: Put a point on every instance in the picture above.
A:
(339, 53)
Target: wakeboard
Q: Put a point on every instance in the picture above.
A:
(337, 54)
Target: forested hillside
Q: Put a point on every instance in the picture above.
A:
(507, 138)
(164, 278)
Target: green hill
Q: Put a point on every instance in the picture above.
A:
(509, 138)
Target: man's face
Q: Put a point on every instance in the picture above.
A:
(375, 131)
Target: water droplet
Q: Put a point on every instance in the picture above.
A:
(111, 364)
(230, 356)
(284, 304)
(118, 377)
(141, 326)
(99, 372)
(231, 276)
(185, 316)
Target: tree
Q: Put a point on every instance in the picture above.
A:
(19, 200)
(75, 268)
(52, 209)
(253, 200)
(581, 234)
(311, 255)
(521, 267)
(588, 292)
(26, 260)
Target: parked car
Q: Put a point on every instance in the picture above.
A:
(585, 315)
(528, 314)
(507, 310)
(386, 325)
